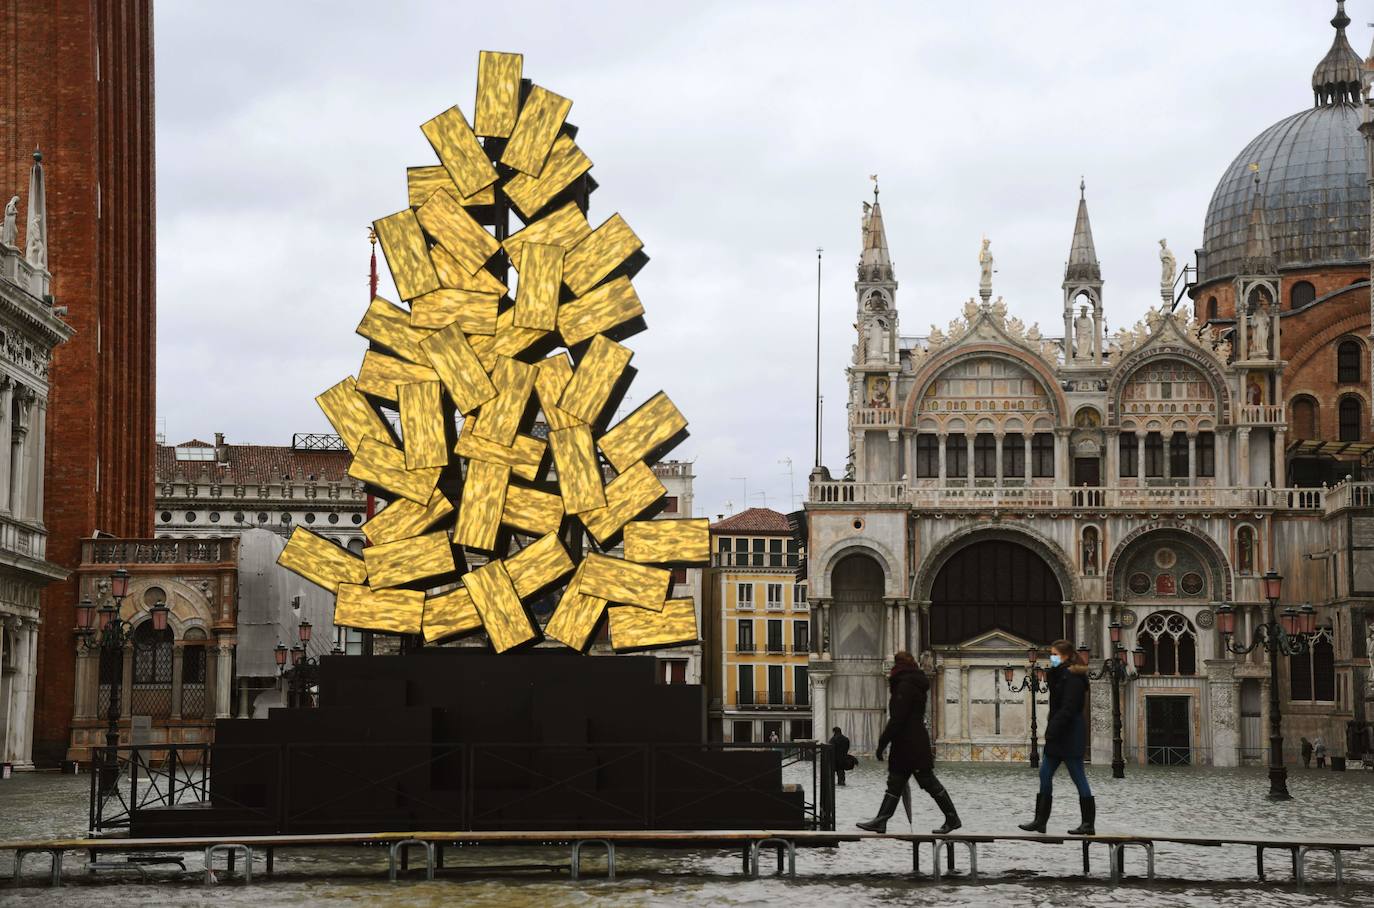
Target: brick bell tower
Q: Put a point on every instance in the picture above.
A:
(77, 82)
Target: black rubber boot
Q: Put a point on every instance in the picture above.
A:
(1089, 824)
(1043, 803)
(946, 805)
(879, 823)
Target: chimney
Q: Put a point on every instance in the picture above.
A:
(221, 449)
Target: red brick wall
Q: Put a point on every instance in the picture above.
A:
(96, 133)
(1309, 345)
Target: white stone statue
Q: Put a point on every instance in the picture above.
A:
(1083, 334)
(1259, 333)
(1168, 265)
(985, 263)
(9, 234)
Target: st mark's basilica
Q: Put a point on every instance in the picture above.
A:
(1007, 488)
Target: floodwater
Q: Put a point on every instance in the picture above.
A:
(991, 798)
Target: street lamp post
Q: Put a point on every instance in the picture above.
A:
(1115, 668)
(304, 670)
(1034, 681)
(110, 636)
(1288, 633)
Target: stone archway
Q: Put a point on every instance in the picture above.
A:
(1048, 550)
(995, 585)
(856, 610)
(1206, 548)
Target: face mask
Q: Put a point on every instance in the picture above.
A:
(1055, 660)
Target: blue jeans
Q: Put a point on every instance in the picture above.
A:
(1050, 764)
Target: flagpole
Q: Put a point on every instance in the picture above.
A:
(819, 250)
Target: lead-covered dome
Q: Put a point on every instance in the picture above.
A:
(1312, 173)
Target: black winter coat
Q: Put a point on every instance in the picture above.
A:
(1066, 731)
(839, 744)
(906, 725)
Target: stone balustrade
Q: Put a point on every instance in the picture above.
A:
(158, 551)
(875, 417)
(1262, 415)
(23, 538)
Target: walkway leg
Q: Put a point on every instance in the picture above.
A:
(1259, 861)
(56, 878)
(271, 856)
(949, 856)
(1086, 868)
(935, 860)
(1297, 871)
(19, 855)
(232, 853)
(915, 857)
(1114, 857)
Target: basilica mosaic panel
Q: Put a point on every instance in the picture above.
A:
(1171, 570)
(987, 385)
(1168, 388)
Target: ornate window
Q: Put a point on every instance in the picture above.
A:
(151, 694)
(1348, 356)
(1042, 455)
(1170, 645)
(1351, 417)
(1245, 550)
(1301, 294)
(1312, 676)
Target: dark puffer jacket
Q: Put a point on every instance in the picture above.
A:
(906, 726)
(1066, 731)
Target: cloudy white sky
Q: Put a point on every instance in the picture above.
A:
(735, 138)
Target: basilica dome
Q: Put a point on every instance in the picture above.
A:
(1311, 179)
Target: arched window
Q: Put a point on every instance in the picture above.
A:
(1301, 294)
(1312, 676)
(1245, 550)
(151, 694)
(1170, 645)
(1348, 357)
(1211, 308)
(1303, 414)
(1351, 418)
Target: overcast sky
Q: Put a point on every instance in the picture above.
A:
(735, 138)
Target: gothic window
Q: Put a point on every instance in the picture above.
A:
(1350, 418)
(1303, 413)
(1014, 457)
(1178, 455)
(927, 456)
(1042, 455)
(151, 694)
(1312, 676)
(1348, 362)
(985, 456)
(1170, 645)
(1206, 454)
(1127, 444)
(1154, 454)
(1245, 550)
(1301, 294)
(1211, 308)
(956, 456)
(1089, 553)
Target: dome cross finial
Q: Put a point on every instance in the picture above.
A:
(1340, 20)
(1338, 76)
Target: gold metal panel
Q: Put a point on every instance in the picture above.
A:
(590, 387)
(625, 582)
(532, 511)
(450, 613)
(422, 425)
(498, 93)
(554, 374)
(500, 419)
(351, 415)
(636, 628)
(321, 561)
(453, 277)
(599, 254)
(627, 496)
(407, 255)
(389, 325)
(606, 306)
(577, 614)
(423, 182)
(668, 541)
(473, 312)
(509, 340)
(380, 375)
(538, 565)
(523, 457)
(456, 230)
(566, 162)
(564, 227)
(459, 151)
(579, 473)
(503, 616)
(388, 611)
(634, 437)
(408, 560)
(541, 279)
(384, 466)
(458, 368)
(402, 519)
(540, 119)
(484, 498)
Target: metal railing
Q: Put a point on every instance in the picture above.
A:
(126, 779)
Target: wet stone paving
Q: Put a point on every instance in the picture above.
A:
(991, 799)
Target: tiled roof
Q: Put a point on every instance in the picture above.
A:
(754, 520)
(253, 464)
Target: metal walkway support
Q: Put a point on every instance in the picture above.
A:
(949, 854)
(780, 844)
(229, 850)
(576, 867)
(398, 849)
(1301, 865)
(55, 879)
(1117, 851)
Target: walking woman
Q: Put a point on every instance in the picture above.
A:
(1065, 738)
(911, 754)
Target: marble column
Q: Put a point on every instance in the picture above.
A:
(943, 442)
(4, 699)
(1167, 446)
(908, 469)
(16, 478)
(40, 444)
(913, 628)
(1223, 704)
(820, 712)
(1140, 457)
(1062, 474)
(28, 690)
(1080, 624)
(999, 436)
(1280, 457)
(1243, 458)
(1112, 458)
(1100, 731)
(968, 454)
(224, 676)
(963, 703)
(1223, 459)
(1192, 458)
(6, 433)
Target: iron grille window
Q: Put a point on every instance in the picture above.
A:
(1348, 362)
(1127, 446)
(151, 694)
(1206, 454)
(1178, 455)
(985, 456)
(956, 455)
(1350, 419)
(1154, 454)
(193, 682)
(927, 457)
(1042, 455)
(1312, 676)
(1170, 645)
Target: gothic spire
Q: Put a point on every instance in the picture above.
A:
(1259, 250)
(36, 236)
(1083, 264)
(874, 262)
(1336, 80)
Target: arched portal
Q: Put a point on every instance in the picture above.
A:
(996, 585)
(858, 689)
(857, 612)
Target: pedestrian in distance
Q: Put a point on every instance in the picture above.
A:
(906, 734)
(1065, 737)
(839, 750)
(1319, 747)
(1306, 754)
